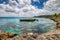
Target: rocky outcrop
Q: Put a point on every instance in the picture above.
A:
(57, 20)
(58, 24)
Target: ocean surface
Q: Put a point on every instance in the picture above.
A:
(15, 26)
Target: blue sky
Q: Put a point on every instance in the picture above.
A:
(38, 4)
(2, 1)
(6, 1)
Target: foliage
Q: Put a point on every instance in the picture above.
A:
(56, 15)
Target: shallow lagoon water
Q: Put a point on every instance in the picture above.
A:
(15, 26)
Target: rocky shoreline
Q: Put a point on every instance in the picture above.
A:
(58, 23)
(57, 20)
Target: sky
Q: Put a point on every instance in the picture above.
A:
(28, 8)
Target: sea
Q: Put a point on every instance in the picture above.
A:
(15, 26)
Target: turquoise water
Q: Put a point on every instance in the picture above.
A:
(15, 26)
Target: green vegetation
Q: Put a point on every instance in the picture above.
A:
(56, 15)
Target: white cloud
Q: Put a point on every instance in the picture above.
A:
(25, 9)
(52, 6)
(36, 1)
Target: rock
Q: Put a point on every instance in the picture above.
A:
(58, 26)
(25, 36)
(52, 35)
(11, 35)
(4, 35)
